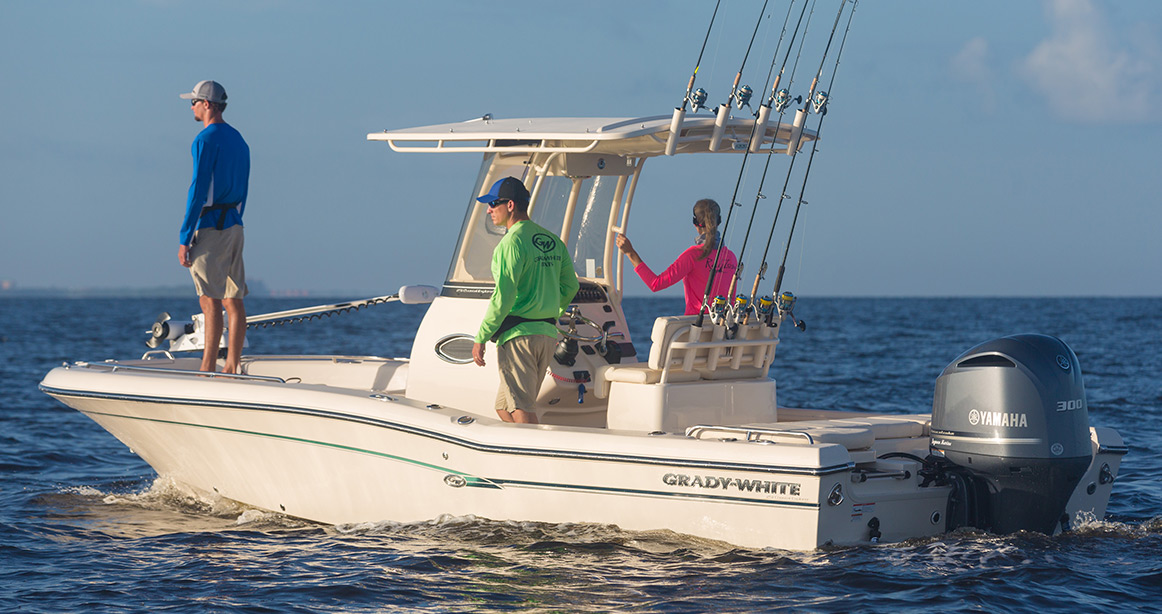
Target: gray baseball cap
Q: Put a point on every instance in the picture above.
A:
(207, 90)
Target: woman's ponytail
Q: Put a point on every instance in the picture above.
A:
(708, 216)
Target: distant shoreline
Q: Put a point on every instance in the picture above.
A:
(257, 290)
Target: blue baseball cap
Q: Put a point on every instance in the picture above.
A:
(509, 188)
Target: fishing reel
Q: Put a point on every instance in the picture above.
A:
(698, 99)
(783, 100)
(742, 97)
(718, 310)
(739, 312)
(741, 307)
(764, 308)
(819, 102)
(786, 306)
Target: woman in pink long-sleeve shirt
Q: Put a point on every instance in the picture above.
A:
(693, 265)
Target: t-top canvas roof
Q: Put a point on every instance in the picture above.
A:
(642, 136)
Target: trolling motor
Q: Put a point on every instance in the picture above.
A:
(187, 335)
(166, 329)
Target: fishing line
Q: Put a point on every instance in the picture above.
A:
(782, 34)
(697, 64)
(802, 253)
(734, 93)
(763, 114)
(740, 96)
(820, 104)
(692, 96)
(781, 99)
(723, 114)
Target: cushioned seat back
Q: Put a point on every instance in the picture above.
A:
(668, 329)
(707, 350)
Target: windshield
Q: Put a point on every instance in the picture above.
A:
(578, 209)
(591, 226)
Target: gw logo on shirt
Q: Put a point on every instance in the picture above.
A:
(544, 242)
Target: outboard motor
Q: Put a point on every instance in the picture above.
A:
(1010, 416)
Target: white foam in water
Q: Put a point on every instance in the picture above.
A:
(165, 492)
(255, 515)
(84, 491)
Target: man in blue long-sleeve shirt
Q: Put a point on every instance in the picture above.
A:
(211, 235)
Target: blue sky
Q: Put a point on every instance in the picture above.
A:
(980, 148)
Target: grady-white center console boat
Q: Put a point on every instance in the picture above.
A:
(685, 437)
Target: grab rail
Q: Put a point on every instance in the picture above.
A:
(750, 433)
(119, 367)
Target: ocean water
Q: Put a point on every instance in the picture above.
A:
(86, 526)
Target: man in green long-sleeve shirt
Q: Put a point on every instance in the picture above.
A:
(535, 282)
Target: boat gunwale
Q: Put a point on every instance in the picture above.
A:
(466, 443)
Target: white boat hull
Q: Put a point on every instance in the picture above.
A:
(343, 455)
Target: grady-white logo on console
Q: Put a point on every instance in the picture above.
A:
(996, 418)
(718, 483)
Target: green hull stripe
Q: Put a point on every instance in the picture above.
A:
(474, 481)
(449, 438)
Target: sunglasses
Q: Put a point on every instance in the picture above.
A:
(498, 202)
(195, 101)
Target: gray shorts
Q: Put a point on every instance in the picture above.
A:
(522, 362)
(217, 267)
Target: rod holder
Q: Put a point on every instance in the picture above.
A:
(719, 126)
(796, 132)
(760, 128)
(675, 129)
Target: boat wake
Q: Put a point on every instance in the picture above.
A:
(167, 506)
(472, 530)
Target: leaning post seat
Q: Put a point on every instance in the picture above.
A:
(693, 375)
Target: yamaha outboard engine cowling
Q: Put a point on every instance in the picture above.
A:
(1011, 413)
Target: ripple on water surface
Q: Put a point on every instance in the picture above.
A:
(86, 526)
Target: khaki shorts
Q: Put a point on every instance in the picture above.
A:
(522, 362)
(217, 263)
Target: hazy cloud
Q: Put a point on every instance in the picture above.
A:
(972, 66)
(1086, 70)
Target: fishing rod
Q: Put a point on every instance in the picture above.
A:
(819, 102)
(780, 99)
(724, 111)
(764, 113)
(761, 123)
(742, 96)
(697, 98)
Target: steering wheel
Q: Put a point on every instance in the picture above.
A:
(575, 315)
